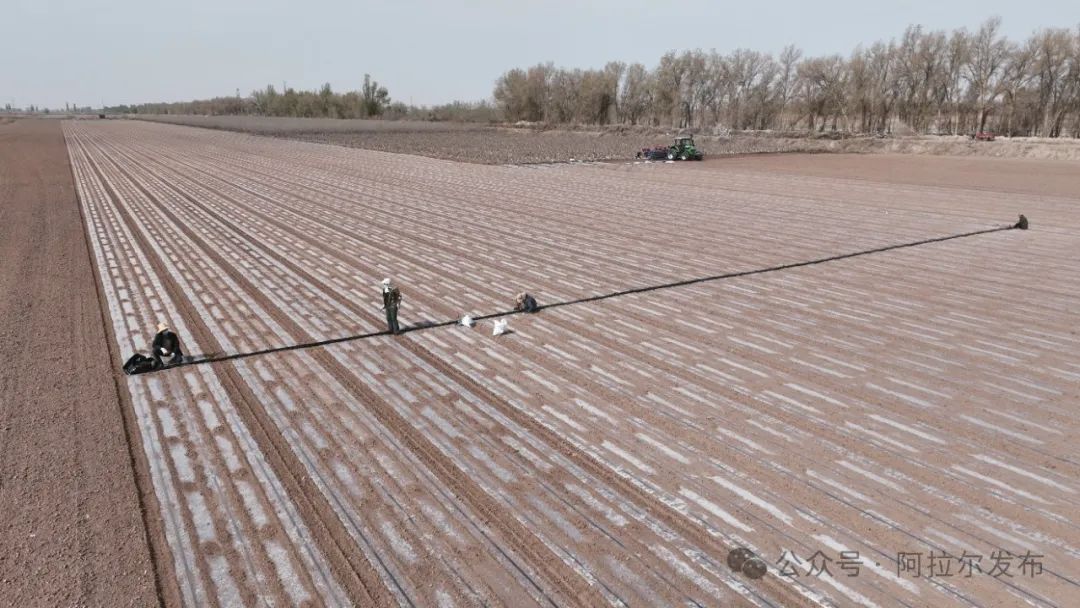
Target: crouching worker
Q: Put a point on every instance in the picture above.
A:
(166, 344)
(525, 303)
(391, 299)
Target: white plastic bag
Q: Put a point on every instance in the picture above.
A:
(500, 328)
(467, 321)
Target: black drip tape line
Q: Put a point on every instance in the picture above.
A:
(606, 296)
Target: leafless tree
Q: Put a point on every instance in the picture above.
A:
(923, 81)
(635, 94)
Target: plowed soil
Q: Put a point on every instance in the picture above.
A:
(477, 143)
(482, 143)
(609, 450)
(71, 531)
(1014, 175)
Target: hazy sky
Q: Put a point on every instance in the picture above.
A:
(122, 51)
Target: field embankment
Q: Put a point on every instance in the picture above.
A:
(71, 532)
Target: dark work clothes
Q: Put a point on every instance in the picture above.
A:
(525, 303)
(168, 342)
(391, 301)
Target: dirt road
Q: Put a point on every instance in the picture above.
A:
(71, 530)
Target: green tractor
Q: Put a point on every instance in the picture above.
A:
(684, 149)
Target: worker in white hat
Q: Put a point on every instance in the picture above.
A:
(391, 298)
(167, 344)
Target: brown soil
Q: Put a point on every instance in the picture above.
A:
(479, 143)
(1016, 175)
(72, 532)
(517, 144)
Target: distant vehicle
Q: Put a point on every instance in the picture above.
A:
(983, 136)
(682, 149)
(657, 153)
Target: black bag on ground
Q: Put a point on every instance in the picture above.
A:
(139, 364)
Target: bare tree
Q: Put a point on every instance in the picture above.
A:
(989, 54)
(950, 102)
(924, 81)
(785, 83)
(1051, 51)
(635, 95)
(695, 80)
(667, 88)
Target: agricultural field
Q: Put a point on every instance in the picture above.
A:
(280, 126)
(506, 144)
(477, 143)
(710, 370)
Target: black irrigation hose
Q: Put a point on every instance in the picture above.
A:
(730, 275)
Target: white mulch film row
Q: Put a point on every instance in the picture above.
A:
(915, 400)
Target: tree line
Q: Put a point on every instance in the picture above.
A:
(957, 82)
(372, 100)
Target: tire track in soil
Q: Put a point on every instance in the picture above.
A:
(588, 463)
(569, 583)
(351, 568)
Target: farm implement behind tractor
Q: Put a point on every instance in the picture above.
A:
(682, 149)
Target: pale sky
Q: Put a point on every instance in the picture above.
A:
(426, 52)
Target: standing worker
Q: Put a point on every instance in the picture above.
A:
(166, 344)
(391, 300)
